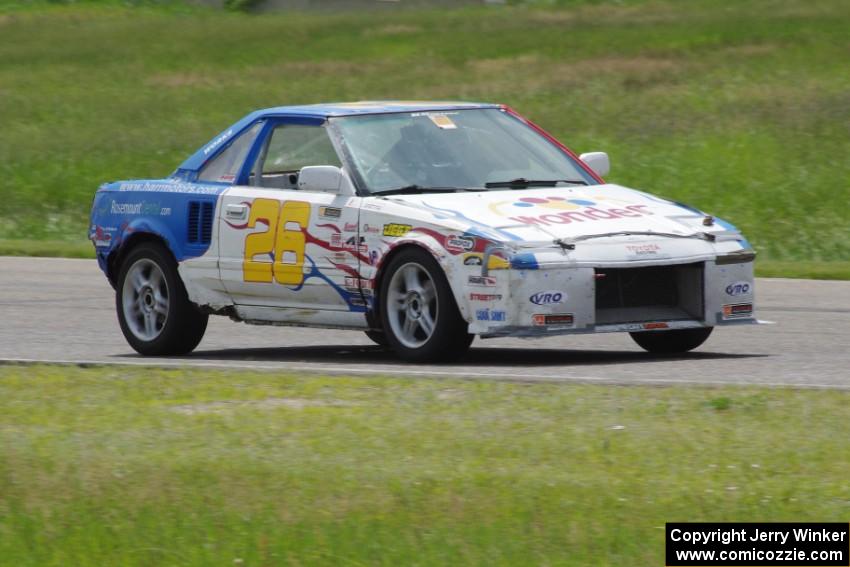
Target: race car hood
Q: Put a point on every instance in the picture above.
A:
(562, 213)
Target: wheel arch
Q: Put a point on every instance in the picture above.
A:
(134, 239)
(443, 260)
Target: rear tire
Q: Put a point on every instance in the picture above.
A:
(671, 342)
(154, 310)
(419, 316)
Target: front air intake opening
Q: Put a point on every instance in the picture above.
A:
(652, 293)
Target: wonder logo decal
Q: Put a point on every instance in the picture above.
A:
(563, 210)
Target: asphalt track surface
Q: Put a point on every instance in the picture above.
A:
(62, 311)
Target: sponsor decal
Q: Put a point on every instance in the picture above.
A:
(643, 249)
(545, 320)
(350, 227)
(483, 281)
(217, 142)
(100, 237)
(395, 229)
(493, 263)
(563, 210)
(336, 240)
(166, 187)
(371, 228)
(455, 243)
(490, 315)
(141, 208)
(442, 121)
(548, 297)
(356, 245)
(631, 327)
(358, 283)
(352, 284)
(485, 297)
(330, 212)
(497, 263)
(738, 288)
(126, 208)
(738, 311)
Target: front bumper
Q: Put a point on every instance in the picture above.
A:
(547, 300)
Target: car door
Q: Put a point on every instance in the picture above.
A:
(283, 247)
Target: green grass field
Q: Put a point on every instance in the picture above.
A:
(740, 108)
(128, 466)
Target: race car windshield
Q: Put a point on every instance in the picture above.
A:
(464, 149)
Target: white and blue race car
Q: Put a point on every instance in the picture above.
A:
(422, 224)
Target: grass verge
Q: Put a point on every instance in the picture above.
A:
(738, 108)
(47, 248)
(804, 269)
(131, 466)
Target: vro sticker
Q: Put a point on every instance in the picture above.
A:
(547, 297)
(738, 288)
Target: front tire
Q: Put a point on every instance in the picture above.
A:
(154, 310)
(377, 337)
(419, 316)
(671, 342)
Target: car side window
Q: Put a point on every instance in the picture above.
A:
(225, 166)
(289, 148)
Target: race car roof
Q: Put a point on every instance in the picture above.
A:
(316, 114)
(370, 107)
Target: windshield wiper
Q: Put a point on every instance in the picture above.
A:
(417, 189)
(523, 183)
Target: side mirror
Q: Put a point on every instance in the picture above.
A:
(325, 179)
(598, 162)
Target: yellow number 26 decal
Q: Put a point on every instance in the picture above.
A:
(283, 242)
